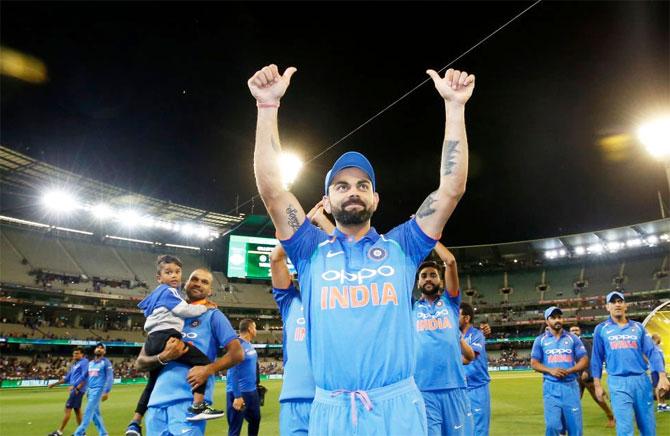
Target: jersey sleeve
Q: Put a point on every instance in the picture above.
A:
(109, 376)
(284, 298)
(222, 330)
(649, 350)
(597, 354)
(303, 243)
(478, 343)
(578, 347)
(170, 298)
(413, 241)
(536, 352)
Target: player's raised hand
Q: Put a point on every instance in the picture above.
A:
(268, 86)
(455, 87)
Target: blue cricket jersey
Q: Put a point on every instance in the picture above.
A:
(77, 373)
(298, 378)
(439, 363)
(622, 349)
(209, 332)
(357, 298)
(100, 374)
(562, 352)
(242, 377)
(659, 350)
(477, 371)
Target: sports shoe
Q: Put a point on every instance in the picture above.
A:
(134, 429)
(203, 412)
(663, 408)
(56, 433)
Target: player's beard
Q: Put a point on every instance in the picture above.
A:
(430, 292)
(557, 327)
(355, 217)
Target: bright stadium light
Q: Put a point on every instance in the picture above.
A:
(652, 240)
(59, 201)
(551, 254)
(202, 232)
(595, 249)
(562, 252)
(665, 237)
(187, 229)
(614, 246)
(129, 218)
(101, 211)
(579, 250)
(635, 242)
(290, 165)
(655, 136)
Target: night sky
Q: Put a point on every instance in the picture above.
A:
(152, 97)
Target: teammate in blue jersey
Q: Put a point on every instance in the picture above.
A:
(561, 357)
(660, 394)
(100, 380)
(171, 396)
(297, 392)
(476, 372)
(441, 351)
(241, 393)
(356, 284)
(76, 377)
(625, 347)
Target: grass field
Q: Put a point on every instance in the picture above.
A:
(516, 409)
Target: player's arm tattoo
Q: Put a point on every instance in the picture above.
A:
(449, 153)
(292, 214)
(426, 208)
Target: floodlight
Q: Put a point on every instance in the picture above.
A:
(129, 218)
(579, 250)
(290, 166)
(551, 254)
(562, 252)
(595, 249)
(652, 240)
(187, 229)
(59, 201)
(614, 246)
(665, 237)
(202, 232)
(655, 136)
(101, 211)
(147, 221)
(635, 242)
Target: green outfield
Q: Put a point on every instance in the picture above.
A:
(516, 404)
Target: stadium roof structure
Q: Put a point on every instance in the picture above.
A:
(32, 176)
(651, 235)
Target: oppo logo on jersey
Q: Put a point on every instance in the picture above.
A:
(189, 335)
(558, 351)
(622, 342)
(359, 276)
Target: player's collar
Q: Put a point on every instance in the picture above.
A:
(629, 322)
(371, 235)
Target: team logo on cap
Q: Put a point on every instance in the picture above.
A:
(377, 253)
(195, 323)
(439, 303)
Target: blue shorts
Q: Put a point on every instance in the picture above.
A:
(632, 395)
(448, 412)
(74, 400)
(562, 408)
(294, 417)
(395, 409)
(170, 420)
(480, 406)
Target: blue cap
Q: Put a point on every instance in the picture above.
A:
(100, 344)
(551, 310)
(351, 159)
(613, 294)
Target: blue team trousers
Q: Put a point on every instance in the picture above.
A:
(562, 402)
(251, 412)
(94, 396)
(170, 420)
(395, 409)
(632, 394)
(480, 405)
(294, 417)
(448, 412)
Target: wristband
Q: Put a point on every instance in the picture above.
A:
(266, 105)
(158, 356)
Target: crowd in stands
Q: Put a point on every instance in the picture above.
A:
(509, 358)
(46, 280)
(50, 367)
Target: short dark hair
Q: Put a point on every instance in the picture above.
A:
(430, 264)
(245, 324)
(165, 259)
(468, 310)
(79, 349)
